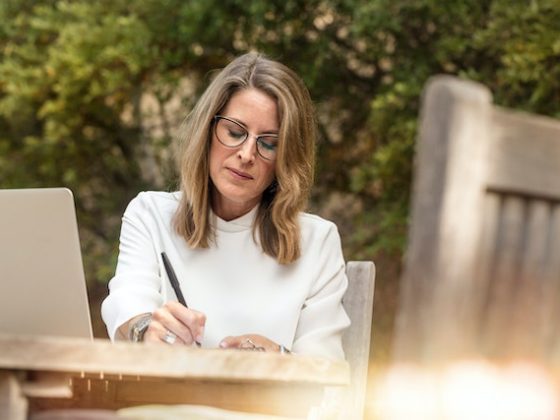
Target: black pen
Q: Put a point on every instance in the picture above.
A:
(174, 283)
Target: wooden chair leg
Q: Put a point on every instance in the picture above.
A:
(13, 405)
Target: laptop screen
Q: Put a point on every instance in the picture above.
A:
(42, 284)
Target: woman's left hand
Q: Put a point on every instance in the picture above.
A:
(249, 342)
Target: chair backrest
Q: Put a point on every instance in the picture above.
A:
(358, 303)
(482, 270)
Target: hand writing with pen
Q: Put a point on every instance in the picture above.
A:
(176, 324)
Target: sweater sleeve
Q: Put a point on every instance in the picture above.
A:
(135, 288)
(323, 319)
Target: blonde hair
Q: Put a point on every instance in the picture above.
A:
(277, 218)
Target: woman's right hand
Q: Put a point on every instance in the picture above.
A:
(174, 319)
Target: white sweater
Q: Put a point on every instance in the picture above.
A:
(239, 288)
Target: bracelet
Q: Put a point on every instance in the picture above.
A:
(284, 350)
(139, 328)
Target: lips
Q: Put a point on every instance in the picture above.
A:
(240, 174)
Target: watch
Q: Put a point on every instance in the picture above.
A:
(139, 328)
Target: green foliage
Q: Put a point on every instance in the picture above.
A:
(74, 76)
(67, 73)
(522, 41)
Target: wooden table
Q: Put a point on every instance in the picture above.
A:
(38, 373)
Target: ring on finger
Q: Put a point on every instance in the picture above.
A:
(249, 345)
(169, 337)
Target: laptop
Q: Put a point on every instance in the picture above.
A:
(42, 284)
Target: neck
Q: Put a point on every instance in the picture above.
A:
(227, 210)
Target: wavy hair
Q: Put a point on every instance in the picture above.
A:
(276, 223)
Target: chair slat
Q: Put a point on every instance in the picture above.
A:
(358, 303)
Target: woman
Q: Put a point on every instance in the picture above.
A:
(256, 271)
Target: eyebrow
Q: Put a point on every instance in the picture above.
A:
(241, 123)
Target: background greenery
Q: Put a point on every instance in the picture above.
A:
(92, 92)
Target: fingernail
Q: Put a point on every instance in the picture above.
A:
(200, 335)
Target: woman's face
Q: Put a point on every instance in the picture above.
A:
(239, 174)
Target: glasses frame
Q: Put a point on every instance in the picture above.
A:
(258, 138)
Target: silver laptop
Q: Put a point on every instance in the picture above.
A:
(42, 284)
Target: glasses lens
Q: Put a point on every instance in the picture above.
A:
(230, 133)
(266, 146)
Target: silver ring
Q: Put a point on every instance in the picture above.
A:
(169, 337)
(249, 345)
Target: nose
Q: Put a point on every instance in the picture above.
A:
(248, 150)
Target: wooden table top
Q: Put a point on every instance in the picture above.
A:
(101, 357)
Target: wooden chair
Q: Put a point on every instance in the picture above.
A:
(358, 303)
(482, 271)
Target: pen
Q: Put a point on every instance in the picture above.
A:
(174, 282)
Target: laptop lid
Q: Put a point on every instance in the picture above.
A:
(42, 285)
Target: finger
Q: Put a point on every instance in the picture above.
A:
(249, 342)
(194, 320)
(230, 342)
(160, 334)
(168, 321)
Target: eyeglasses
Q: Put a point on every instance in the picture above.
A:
(232, 134)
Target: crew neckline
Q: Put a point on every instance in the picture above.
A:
(240, 224)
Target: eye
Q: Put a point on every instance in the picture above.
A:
(269, 142)
(236, 133)
(232, 130)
